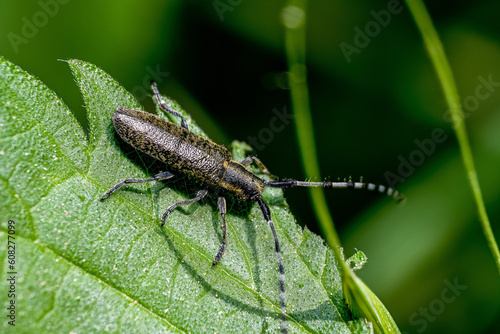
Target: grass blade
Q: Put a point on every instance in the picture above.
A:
(445, 75)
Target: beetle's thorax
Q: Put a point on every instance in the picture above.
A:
(241, 182)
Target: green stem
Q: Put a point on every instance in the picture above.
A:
(294, 16)
(361, 299)
(443, 70)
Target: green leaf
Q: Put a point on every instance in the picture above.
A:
(87, 266)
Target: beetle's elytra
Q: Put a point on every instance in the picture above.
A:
(188, 153)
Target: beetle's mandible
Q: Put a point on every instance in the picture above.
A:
(188, 153)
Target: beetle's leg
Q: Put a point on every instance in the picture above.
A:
(166, 108)
(346, 184)
(198, 197)
(267, 215)
(248, 160)
(157, 177)
(222, 209)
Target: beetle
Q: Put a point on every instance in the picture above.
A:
(191, 154)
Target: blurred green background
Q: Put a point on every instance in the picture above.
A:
(224, 62)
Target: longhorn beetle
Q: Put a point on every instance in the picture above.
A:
(188, 153)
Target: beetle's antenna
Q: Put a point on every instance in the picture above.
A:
(267, 216)
(346, 184)
(166, 108)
